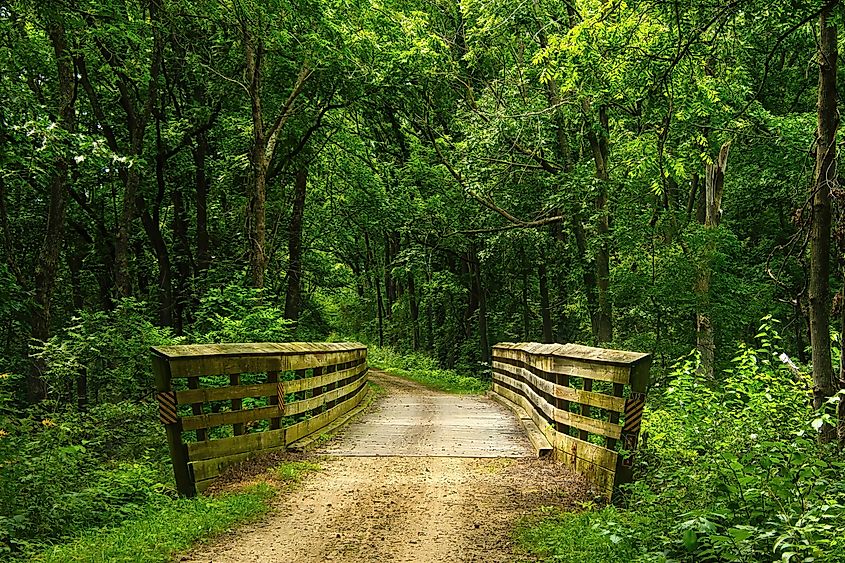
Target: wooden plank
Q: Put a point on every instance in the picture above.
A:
(222, 447)
(323, 380)
(576, 351)
(563, 404)
(229, 362)
(596, 463)
(306, 427)
(209, 468)
(570, 366)
(317, 401)
(565, 392)
(323, 359)
(229, 417)
(237, 403)
(208, 394)
(196, 406)
(618, 391)
(580, 422)
(224, 365)
(178, 451)
(585, 410)
(273, 397)
(252, 348)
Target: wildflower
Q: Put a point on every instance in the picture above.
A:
(3, 433)
(48, 423)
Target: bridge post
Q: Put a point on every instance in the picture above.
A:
(631, 430)
(172, 427)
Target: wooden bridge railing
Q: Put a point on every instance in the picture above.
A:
(584, 400)
(224, 403)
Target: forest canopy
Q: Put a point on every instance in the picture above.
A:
(426, 176)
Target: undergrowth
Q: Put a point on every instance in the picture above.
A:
(163, 529)
(292, 472)
(423, 369)
(731, 471)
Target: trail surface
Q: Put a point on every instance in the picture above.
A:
(424, 476)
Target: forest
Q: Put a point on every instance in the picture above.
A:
(430, 178)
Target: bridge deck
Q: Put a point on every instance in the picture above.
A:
(413, 421)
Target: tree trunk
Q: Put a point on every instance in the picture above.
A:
(545, 311)
(183, 260)
(824, 180)
(705, 340)
(599, 146)
(293, 297)
(257, 188)
(415, 311)
(162, 253)
(201, 186)
(526, 309)
(478, 303)
(47, 264)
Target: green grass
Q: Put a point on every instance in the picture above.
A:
(423, 369)
(291, 472)
(577, 537)
(164, 530)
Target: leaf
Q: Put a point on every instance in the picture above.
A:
(690, 539)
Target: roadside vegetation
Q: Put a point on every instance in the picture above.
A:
(727, 472)
(424, 369)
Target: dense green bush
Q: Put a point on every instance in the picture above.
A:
(110, 348)
(238, 314)
(78, 472)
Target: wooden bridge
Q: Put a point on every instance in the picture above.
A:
(222, 404)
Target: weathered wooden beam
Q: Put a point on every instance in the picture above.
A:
(173, 429)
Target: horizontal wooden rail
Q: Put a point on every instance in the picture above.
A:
(585, 400)
(224, 403)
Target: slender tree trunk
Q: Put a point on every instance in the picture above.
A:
(183, 259)
(47, 264)
(201, 186)
(293, 297)
(483, 331)
(526, 309)
(415, 311)
(380, 304)
(545, 311)
(599, 146)
(8, 239)
(257, 188)
(162, 253)
(705, 339)
(824, 180)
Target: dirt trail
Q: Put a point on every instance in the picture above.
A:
(422, 505)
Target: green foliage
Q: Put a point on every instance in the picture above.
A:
(292, 472)
(111, 348)
(163, 529)
(79, 472)
(578, 537)
(423, 369)
(239, 314)
(732, 473)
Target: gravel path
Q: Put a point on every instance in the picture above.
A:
(420, 503)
